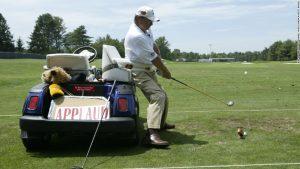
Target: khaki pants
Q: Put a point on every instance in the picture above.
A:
(157, 97)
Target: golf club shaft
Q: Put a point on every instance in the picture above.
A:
(199, 91)
(88, 152)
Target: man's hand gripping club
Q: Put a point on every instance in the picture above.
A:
(162, 69)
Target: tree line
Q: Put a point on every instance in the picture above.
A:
(49, 36)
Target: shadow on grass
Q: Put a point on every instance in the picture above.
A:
(77, 146)
(70, 146)
(176, 138)
(67, 146)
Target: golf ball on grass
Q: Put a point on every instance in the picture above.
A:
(230, 103)
(245, 72)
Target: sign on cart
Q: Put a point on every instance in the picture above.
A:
(79, 108)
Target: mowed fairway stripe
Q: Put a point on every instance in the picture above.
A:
(10, 115)
(204, 111)
(224, 166)
(239, 110)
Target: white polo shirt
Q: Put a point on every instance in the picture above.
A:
(139, 45)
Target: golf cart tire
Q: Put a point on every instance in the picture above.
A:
(136, 140)
(36, 141)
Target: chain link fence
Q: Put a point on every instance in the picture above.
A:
(14, 55)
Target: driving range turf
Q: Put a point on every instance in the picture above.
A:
(267, 105)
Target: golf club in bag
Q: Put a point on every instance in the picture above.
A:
(88, 152)
(230, 103)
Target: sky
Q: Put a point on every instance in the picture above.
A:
(201, 26)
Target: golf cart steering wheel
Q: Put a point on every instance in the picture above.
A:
(88, 51)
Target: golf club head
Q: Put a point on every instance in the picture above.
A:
(77, 167)
(230, 103)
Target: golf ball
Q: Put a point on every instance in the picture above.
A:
(245, 72)
(230, 103)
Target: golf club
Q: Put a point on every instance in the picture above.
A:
(230, 103)
(88, 152)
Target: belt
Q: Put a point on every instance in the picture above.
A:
(138, 68)
(129, 66)
(108, 67)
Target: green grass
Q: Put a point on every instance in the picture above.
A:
(266, 104)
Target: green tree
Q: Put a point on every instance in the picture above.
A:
(20, 45)
(163, 46)
(264, 54)
(6, 39)
(107, 40)
(77, 38)
(290, 50)
(47, 36)
(58, 34)
(281, 51)
(274, 51)
(176, 54)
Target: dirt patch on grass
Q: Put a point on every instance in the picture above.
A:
(266, 124)
(196, 128)
(284, 124)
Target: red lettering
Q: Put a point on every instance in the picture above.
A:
(80, 113)
(67, 112)
(58, 114)
(89, 114)
(95, 113)
(98, 113)
(105, 113)
(75, 112)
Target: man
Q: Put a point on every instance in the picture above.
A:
(142, 51)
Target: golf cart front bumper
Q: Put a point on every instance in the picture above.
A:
(111, 125)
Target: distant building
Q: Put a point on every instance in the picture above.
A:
(181, 60)
(222, 59)
(209, 60)
(205, 60)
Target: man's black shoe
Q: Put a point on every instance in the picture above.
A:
(168, 126)
(155, 140)
(152, 138)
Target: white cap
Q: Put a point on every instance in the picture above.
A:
(147, 12)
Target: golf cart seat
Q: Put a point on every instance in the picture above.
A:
(113, 66)
(73, 63)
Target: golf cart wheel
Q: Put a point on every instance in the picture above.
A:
(36, 141)
(136, 135)
(136, 138)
